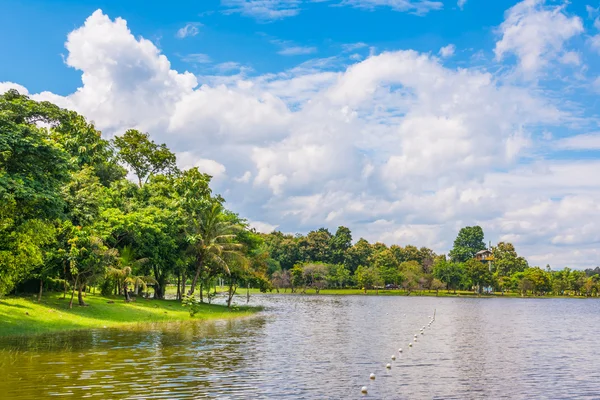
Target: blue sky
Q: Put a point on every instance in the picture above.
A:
(402, 119)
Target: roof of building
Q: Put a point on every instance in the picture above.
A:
(483, 252)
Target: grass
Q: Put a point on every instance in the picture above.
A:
(25, 316)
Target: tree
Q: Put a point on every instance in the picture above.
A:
(340, 243)
(211, 239)
(506, 260)
(357, 255)
(468, 242)
(368, 277)
(387, 265)
(436, 285)
(315, 247)
(32, 170)
(411, 272)
(314, 275)
(89, 258)
(479, 274)
(143, 156)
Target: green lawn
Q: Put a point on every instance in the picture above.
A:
(25, 316)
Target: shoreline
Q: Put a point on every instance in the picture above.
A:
(23, 316)
(459, 294)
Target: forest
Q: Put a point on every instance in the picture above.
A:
(79, 213)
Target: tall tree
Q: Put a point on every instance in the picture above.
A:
(506, 260)
(143, 156)
(468, 242)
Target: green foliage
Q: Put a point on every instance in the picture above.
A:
(143, 156)
(191, 303)
(468, 242)
(506, 260)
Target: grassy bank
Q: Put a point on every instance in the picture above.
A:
(25, 316)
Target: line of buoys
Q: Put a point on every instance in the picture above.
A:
(364, 389)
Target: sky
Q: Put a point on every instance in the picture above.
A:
(403, 120)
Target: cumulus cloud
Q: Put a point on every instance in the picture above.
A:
(397, 146)
(536, 34)
(447, 51)
(461, 3)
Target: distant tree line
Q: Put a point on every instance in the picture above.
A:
(325, 260)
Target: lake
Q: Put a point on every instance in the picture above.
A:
(325, 347)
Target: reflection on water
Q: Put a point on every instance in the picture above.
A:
(325, 347)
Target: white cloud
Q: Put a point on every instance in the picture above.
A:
(263, 9)
(6, 86)
(571, 57)
(197, 58)
(396, 146)
(271, 10)
(297, 50)
(461, 3)
(263, 227)
(349, 47)
(190, 29)
(536, 34)
(590, 141)
(447, 51)
(416, 6)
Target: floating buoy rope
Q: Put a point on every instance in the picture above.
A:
(364, 389)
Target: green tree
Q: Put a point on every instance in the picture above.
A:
(340, 243)
(506, 260)
(368, 278)
(358, 254)
(468, 242)
(478, 273)
(143, 156)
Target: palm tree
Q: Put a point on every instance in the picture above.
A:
(211, 240)
(124, 275)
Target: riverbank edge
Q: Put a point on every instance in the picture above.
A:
(24, 316)
(459, 294)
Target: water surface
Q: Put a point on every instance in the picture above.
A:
(325, 347)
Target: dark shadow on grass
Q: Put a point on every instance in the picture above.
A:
(3, 303)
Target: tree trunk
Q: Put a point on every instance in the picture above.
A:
(195, 279)
(41, 288)
(125, 289)
(73, 292)
(247, 292)
(231, 292)
(178, 296)
(80, 295)
(183, 279)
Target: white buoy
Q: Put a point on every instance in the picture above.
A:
(388, 366)
(393, 356)
(415, 339)
(415, 335)
(363, 389)
(372, 376)
(410, 345)
(399, 350)
(423, 327)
